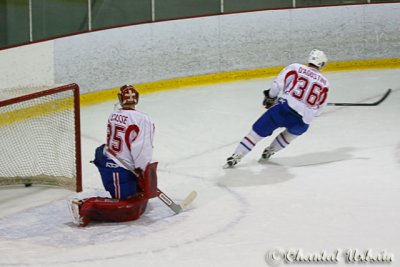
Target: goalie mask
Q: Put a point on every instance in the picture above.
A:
(128, 96)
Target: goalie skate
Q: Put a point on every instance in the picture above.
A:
(232, 161)
(74, 207)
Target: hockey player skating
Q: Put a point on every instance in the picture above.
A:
(124, 163)
(297, 95)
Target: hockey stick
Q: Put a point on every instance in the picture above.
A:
(177, 208)
(364, 104)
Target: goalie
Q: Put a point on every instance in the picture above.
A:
(124, 163)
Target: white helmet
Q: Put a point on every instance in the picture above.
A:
(317, 58)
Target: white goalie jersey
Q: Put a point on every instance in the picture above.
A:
(130, 138)
(304, 88)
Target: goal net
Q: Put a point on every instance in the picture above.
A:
(40, 137)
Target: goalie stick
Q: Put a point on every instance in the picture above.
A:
(177, 208)
(364, 104)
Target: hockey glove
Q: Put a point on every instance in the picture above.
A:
(268, 101)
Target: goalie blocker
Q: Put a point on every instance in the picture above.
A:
(114, 210)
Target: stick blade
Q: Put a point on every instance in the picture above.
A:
(189, 199)
(384, 96)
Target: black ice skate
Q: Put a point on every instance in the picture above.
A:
(232, 161)
(268, 152)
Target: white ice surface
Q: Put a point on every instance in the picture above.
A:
(336, 187)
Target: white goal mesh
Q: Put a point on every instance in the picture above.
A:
(40, 137)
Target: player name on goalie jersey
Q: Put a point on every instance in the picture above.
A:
(119, 118)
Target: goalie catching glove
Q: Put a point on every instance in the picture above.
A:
(268, 101)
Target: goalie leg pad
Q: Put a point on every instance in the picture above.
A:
(112, 210)
(150, 181)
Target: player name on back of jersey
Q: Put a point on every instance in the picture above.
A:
(119, 118)
(312, 74)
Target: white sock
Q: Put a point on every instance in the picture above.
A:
(282, 141)
(247, 143)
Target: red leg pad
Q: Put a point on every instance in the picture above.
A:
(112, 210)
(150, 181)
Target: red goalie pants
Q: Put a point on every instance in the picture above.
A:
(111, 210)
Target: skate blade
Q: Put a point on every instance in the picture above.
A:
(263, 161)
(227, 166)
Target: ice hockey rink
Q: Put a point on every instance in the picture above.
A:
(335, 188)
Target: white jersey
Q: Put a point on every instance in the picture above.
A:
(130, 137)
(304, 88)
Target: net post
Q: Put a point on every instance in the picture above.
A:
(78, 147)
